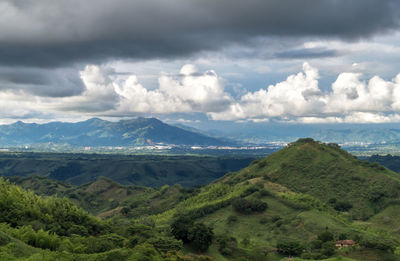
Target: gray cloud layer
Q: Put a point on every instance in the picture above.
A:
(55, 33)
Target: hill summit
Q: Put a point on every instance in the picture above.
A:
(325, 171)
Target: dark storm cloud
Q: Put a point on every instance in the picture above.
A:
(41, 82)
(55, 33)
(307, 53)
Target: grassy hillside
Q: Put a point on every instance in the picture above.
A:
(50, 228)
(296, 202)
(142, 170)
(104, 197)
(309, 188)
(329, 174)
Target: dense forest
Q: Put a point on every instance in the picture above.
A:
(142, 170)
(310, 200)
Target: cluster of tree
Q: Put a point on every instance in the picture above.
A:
(208, 209)
(19, 207)
(249, 205)
(58, 230)
(198, 235)
(341, 205)
(321, 248)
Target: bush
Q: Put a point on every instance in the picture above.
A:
(165, 244)
(328, 249)
(325, 236)
(264, 193)
(198, 234)
(263, 220)
(290, 248)
(201, 236)
(249, 191)
(342, 206)
(226, 244)
(180, 228)
(4, 239)
(232, 219)
(316, 244)
(248, 206)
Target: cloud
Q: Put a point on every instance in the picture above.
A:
(300, 99)
(56, 33)
(60, 82)
(296, 96)
(106, 94)
(307, 53)
(189, 91)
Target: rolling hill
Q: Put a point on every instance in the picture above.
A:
(297, 201)
(391, 162)
(142, 170)
(97, 132)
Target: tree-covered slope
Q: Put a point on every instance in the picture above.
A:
(52, 228)
(296, 202)
(329, 174)
(142, 170)
(391, 162)
(309, 188)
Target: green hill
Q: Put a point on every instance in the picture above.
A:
(297, 202)
(309, 188)
(142, 170)
(329, 174)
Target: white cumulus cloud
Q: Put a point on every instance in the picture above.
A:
(300, 99)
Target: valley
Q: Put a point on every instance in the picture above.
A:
(298, 201)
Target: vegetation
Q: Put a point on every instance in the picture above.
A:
(141, 170)
(297, 202)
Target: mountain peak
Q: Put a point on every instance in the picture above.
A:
(97, 132)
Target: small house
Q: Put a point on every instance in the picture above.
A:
(345, 243)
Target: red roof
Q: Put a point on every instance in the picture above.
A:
(345, 242)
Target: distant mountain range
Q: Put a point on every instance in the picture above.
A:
(364, 135)
(97, 132)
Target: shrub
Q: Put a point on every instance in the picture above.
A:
(232, 218)
(342, 206)
(249, 191)
(180, 228)
(201, 236)
(263, 220)
(264, 193)
(248, 206)
(290, 248)
(325, 236)
(165, 244)
(4, 239)
(226, 244)
(328, 249)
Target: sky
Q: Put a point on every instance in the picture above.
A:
(190, 61)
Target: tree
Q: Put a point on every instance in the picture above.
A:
(180, 228)
(290, 248)
(248, 206)
(342, 206)
(328, 249)
(325, 236)
(201, 236)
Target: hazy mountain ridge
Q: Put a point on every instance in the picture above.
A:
(97, 132)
